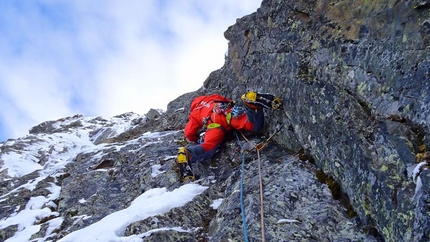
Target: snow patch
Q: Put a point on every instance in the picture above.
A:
(150, 203)
(216, 203)
(155, 170)
(283, 221)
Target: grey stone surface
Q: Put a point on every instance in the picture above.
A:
(354, 77)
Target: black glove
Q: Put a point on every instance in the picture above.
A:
(231, 104)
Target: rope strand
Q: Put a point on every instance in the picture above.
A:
(263, 238)
(257, 147)
(242, 206)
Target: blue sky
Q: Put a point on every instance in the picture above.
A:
(59, 58)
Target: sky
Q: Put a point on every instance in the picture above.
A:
(59, 58)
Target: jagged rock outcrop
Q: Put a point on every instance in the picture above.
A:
(354, 77)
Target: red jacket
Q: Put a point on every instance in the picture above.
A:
(202, 108)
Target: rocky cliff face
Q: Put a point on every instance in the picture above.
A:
(354, 77)
(95, 179)
(349, 165)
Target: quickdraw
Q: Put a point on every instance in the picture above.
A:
(276, 103)
(264, 143)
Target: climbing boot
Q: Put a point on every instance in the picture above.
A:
(185, 172)
(256, 100)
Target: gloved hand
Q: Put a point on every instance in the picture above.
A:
(237, 111)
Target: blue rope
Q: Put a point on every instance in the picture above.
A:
(242, 206)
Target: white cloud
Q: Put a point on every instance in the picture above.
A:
(103, 58)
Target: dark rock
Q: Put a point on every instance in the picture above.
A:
(49, 127)
(354, 78)
(8, 232)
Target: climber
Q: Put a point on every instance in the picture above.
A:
(211, 117)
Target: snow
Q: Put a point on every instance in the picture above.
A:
(417, 170)
(155, 170)
(26, 219)
(150, 203)
(53, 224)
(284, 220)
(60, 148)
(216, 203)
(19, 165)
(417, 179)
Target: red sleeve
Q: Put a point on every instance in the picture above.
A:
(191, 129)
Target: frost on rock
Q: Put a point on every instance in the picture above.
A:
(418, 169)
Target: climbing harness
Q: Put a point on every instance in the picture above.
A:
(257, 147)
